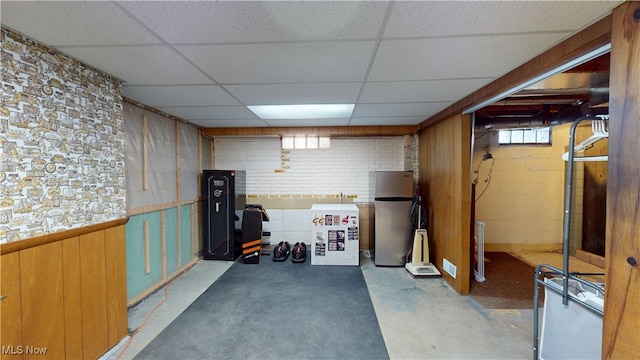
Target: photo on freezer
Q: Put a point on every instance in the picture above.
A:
(328, 220)
(336, 240)
(321, 246)
(353, 233)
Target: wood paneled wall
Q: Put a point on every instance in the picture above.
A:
(333, 131)
(445, 181)
(64, 295)
(621, 331)
(594, 199)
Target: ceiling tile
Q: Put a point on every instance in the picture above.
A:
(67, 23)
(193, 95)
(204, 60)
(462, 57)
(283, 63)
(207, 22)
(145, 65)
(419, 91)
(316, 93)
(404, 109)
(209, 112)
(410, 19)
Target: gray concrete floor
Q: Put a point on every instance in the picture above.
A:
(420, 318)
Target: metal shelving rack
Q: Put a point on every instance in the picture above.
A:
(544, 270)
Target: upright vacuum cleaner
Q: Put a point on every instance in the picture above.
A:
(419, 264)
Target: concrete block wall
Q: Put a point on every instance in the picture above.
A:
(522, 206)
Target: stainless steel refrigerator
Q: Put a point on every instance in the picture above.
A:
(393, 228)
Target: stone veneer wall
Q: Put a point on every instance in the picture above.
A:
(62, 142)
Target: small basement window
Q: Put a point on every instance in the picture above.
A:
(305, 142)
(537, 136)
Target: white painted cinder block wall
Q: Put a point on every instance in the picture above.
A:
(342, 168)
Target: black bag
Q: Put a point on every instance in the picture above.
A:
(251, 251)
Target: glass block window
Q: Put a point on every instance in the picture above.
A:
(305, 142)
(538, 136)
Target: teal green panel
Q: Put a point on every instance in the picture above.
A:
(134, 231)
(137, 280)
(171, 233)
(185, 234)
(155, 242)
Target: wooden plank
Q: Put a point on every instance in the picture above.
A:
(196, 228)
(116, 280)
(7, 248)
(179, 234)
(147, 248)
(42, 301)
(622, 270)
(163, 243)
(10, 306)
(178, 182)
(334, 131)
(72, 298)
(145, 160)
(594, 199)
(445, 181)
(94, 295)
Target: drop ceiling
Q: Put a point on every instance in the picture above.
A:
(398, 62)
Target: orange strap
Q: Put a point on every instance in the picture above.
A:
(252, 243)
(250, 250)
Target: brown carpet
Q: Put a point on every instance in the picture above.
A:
(508, 284)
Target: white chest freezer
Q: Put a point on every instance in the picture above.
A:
(335, 234)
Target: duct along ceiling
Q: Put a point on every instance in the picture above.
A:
(580, 91)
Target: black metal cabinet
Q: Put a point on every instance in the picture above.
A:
(223, 193)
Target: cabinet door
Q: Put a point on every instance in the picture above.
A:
(42, 301)
(10, 306)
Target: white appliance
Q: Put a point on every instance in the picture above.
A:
(393, 195)
(335, 234)
(419, 264)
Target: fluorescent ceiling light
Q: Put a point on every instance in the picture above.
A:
(311, 111)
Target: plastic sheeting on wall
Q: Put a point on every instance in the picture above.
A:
(153, 147)
(189, 169)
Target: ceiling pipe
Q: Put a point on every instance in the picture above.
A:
(543, 119)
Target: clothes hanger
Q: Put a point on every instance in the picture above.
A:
(600, 131)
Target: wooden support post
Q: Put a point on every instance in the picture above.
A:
(145, 181)
(147, 248)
